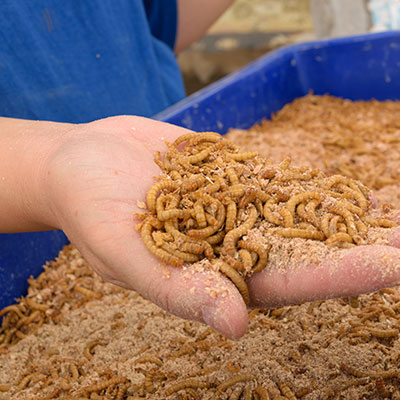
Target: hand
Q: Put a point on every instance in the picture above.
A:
(93, 182)
(95, 179)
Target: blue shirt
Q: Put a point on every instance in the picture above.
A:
(81, 60)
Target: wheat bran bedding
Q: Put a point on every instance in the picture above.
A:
(76, 336)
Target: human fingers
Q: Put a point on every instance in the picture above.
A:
(362, 269)
(198, 295)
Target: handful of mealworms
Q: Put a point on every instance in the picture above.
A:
(211, 195)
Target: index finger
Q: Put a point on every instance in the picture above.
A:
(359, 270)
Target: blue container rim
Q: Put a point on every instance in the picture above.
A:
(214, 88)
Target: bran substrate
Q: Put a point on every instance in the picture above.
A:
(75, 336)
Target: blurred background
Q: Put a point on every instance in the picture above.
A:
(251, 28)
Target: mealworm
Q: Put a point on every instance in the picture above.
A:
(200, 214)
(5, 387)
(358, 196)
(262, 196)
(335, 179)
(247, 261)
(248, 197)
(353, 371)
(13, 308)
(186, 257)
(341, 210)
(262, 393)
(248, 393)
(285, 163)
(233, 235)
(242, 156)
(303, 391)
(334, 224)
(152, 193)
(361, 227)
(211, 220)
(29, 319)
(103, 385)
(187, 383)
(205, 371)
(236, 191)
(24, 382)
(171, 213)
(286, 391)
(287, 217)
(160, 237)
(122, 391)
(338, 237)
(259, 250)
(231, 213)
(191, 135)
(200, 156)
(306, 226)
(341, 227)
(236, 393)
(209, 230)
(87, 352)
(300, 233)
(36, 306)
(301, 198)
(175, 175)
(235, 277)
(148, 381)
(192, 247)
(217, 238)
(269, 214)
(382, 222)
(192, 183)
(383, 333)
(74, 371)
(87, 292)
(233, 381)
(310, 209)
(213, 187)
(232, 176)
(301, 212)
(20, 335)
(160, 253)
(381, 389)
(149, 359)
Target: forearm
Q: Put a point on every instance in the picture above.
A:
(194, 19)
(25, 147)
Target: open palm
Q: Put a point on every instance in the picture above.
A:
(96, 179)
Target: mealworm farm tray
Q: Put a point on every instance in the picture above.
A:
(75, 336)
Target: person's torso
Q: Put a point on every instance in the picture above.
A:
(77, 61)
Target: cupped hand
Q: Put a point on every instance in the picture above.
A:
(95, 180)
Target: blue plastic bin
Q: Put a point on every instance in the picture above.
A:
(360, 67)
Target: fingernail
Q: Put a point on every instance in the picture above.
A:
(228, 322)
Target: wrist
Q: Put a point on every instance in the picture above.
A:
(27, 147)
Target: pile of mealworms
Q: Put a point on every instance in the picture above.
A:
(57, 374)
(357, 139)
(211, 194)
(27, 316)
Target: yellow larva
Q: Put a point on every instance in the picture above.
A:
(300, 233)
(233, 235)
(155, 189)
(301, 198)
(259, 250)
(235, 277)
